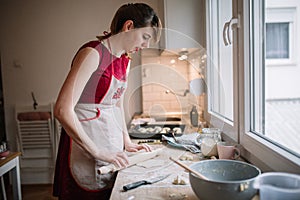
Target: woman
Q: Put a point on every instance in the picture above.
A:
(89, 106)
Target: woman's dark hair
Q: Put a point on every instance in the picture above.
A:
(141, 14)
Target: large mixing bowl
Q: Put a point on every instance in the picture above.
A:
(228, 179)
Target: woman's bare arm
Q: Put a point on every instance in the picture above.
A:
(85, 63)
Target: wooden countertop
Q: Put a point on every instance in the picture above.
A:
(161, 165)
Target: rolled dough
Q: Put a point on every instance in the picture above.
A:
(133, 159)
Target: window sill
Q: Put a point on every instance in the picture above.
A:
(268, 156)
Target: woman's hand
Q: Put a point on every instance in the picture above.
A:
(132, 147)
(119, 159)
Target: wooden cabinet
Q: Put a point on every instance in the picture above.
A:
(183, 23)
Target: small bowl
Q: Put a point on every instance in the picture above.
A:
(4, 153)
(278, 185)
(228, 179)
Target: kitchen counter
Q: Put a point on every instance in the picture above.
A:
(163, 189)
(161, 165)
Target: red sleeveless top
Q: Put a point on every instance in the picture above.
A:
(99, 82)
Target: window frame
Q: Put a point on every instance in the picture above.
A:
(265, 154)
(255, 149)
(229, 128)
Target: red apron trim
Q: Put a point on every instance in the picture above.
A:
(92, 118)
(118, 78)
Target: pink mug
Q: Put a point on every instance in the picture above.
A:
(227, 151)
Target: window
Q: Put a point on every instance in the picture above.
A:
(277, 40)
(261, 77)
(220, 61)
(275, 113)
(280, 31)
(220, 70)
(272, 99)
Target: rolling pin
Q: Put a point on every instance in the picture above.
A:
(134, 159)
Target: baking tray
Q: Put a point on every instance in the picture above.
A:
(155, 134)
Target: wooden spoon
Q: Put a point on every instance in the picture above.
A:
(189, 169)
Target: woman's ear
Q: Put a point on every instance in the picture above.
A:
(128, 25)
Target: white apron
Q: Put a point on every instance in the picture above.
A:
(103, 123)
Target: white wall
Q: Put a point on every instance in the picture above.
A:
(37, 42)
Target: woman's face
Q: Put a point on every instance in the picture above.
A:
(138, 38)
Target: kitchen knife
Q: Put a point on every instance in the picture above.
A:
(144, 182)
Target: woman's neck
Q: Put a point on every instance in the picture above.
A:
(113, 44)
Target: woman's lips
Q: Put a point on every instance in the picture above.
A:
(135, 50)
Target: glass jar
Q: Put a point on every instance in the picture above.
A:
(213, 133)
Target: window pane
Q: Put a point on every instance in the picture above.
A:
(277, 40)
(275, 90)
(220, 64)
